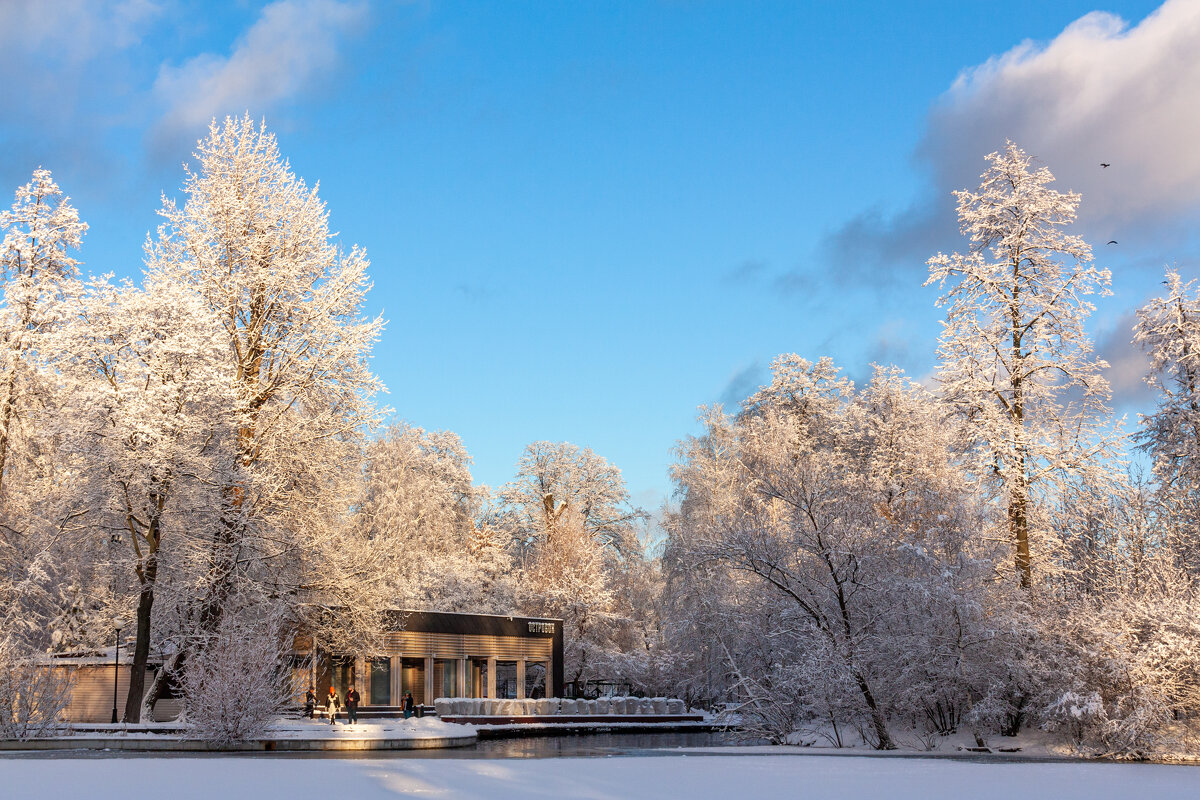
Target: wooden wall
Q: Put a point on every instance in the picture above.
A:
(92, 691)
(464, 645)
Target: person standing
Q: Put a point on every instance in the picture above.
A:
(310, 702)
(332, 704)
(352, 706)
(408, 705)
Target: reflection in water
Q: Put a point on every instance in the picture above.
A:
(594, 745)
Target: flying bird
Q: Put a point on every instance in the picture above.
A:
(1112, 241)
(1106, 166)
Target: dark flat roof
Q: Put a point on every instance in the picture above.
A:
(480, 624)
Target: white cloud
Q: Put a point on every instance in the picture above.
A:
(74, 31)
(1128, 364)
(1100, 91)
(288, 48)
(67, 68)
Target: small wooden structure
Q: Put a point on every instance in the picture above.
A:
(433, 654)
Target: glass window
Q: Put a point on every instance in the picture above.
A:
(445, 677)
(535, 679)
(506, 680)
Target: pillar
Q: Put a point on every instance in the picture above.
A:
(428, 680)
(520, 679)
(491, 682)
(460, 682)
(397, 678)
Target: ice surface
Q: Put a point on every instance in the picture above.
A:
(619, 778)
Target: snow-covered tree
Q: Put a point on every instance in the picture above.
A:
(144, 373)
(576, 537)
(566, 577)
(32, 698)
(837, 520)
(39, 274)
(1015, 359)
(554, 475)
(426, 521)
(1168, 329)
(253, 242)
(1121, 671)
(54, 584)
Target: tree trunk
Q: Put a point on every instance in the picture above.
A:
(6, 414)
(5, 422)
(1018, 499)
(10, 389)
(877, 720)
(1018, 523)
(207, 612)
(141, 648)
(161, 677)
(147, 573)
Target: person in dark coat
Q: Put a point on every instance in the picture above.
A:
(332, 704)
(352, 706)
(408, 705)
(310, 702)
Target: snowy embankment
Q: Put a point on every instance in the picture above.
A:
(303, 734)
(412, 728)
(693, 777)
(1029, 744)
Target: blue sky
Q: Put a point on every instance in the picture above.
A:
(588, 219)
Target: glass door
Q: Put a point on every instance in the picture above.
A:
(343, 675)
(413, 673)
(381, 682)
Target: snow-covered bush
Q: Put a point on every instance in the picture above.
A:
(32, 696)
(1123, 675)
(236, 684)
(1075, 713)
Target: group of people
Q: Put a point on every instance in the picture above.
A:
(333, 704)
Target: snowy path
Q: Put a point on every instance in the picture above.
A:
(691, 777)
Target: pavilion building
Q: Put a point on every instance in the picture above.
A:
(435, 654)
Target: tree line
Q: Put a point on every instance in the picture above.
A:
(893, 562)
(202, 456)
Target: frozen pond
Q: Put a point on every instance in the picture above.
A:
(692, 776)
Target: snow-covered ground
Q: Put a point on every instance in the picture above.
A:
(411, 728)
(695, 777)
(1029, 742)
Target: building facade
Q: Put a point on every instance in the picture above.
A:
(440, 654)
